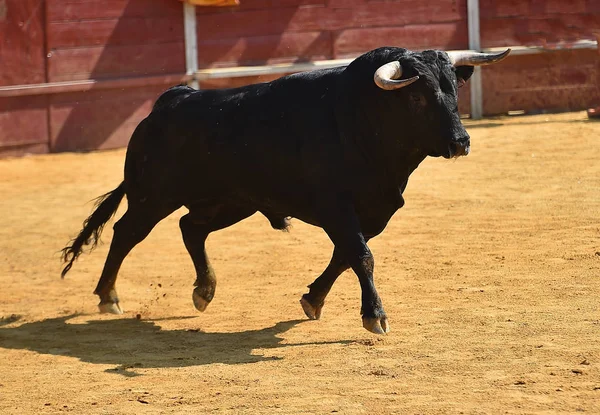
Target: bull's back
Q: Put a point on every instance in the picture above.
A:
(257, 131)
(254, 140)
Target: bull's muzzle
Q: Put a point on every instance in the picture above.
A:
(459, 148)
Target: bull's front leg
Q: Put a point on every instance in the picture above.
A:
(343, 227)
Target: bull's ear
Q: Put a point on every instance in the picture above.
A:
(463, 73)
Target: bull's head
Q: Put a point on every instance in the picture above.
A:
(430, 104)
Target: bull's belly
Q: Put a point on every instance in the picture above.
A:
(278, 199)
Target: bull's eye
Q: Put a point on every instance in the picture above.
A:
(417, 100)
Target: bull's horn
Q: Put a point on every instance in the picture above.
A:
(387, 77)
(468, 58)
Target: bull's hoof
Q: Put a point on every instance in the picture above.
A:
(311, 311)
(376, 325)
(110, 308)
(199, 302)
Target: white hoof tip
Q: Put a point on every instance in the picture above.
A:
(199, 302)
(110, 308)
(313, 313)
(377, 326)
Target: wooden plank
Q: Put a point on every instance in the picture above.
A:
(399, 13)
(23, 150)
(115, 32)
(114, 61)
(91, 84)
(287, 47)
(263, 22)
(109, 95)
(297, 3)
(490, 9)
(250, 23)
(271, 69)
(546, 77)
(238, 81)
(23, 121)
(538, 31)
(524, 9)
(447, 36)
(95, 136)
(339, 4)
(98, 120)
(95, 112)
(22, 40)
(548, 47)
(556, 99)
(565, 80)
(261, 4)
(75, 10)
(562, 7)
(592, 6)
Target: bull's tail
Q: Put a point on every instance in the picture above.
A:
(105, 208)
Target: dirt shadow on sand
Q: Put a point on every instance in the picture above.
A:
(130, 343)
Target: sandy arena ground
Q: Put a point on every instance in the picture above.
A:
(489, 275)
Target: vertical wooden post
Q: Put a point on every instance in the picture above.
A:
(191, 41)
(475, 44)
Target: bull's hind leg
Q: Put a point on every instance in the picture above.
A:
(313, 301)
(195, 228)
(130, 230)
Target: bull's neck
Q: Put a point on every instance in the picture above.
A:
(384, 159)
(373, 139)
(407, 161)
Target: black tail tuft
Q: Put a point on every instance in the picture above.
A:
(105, 208)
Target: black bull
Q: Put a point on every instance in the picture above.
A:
(333, 148)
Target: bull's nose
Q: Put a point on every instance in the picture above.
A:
(463, 139)
(466, 150)
(460, 147)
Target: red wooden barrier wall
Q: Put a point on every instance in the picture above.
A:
(23, 120)
(557, 81)
(73, 40)
(108, 39)
(264, 31)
